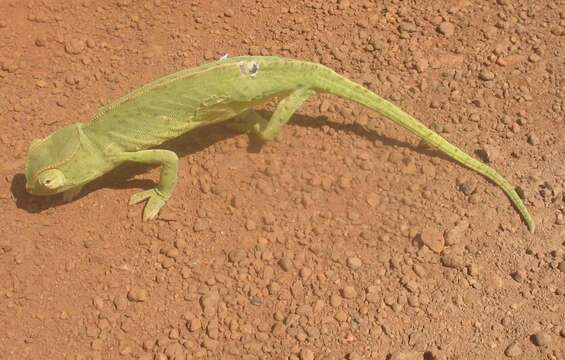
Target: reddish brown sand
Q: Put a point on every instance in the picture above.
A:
(343, 239)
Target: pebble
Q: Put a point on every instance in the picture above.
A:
(40, 41)
(137, 295)
(533, 139)
(74, 46)
(120, 302)
(236, 255)
(98, 302)
(372, 294)
(406, 355)
(335, 300)
(175, 351)
(419, 270)
(433, 239)
(349, 292)
(354, 263)
(451, 261)
(341, 316)
(486, 75)
(513, 350)
(455, 234)
(446, 28)
(285, 263)
(354, 356)
(306, 354)
(542, 338)
(194, 325)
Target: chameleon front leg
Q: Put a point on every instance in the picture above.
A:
(158, 196)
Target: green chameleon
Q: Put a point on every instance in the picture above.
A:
(131, 127)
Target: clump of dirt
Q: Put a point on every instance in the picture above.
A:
(343, 239)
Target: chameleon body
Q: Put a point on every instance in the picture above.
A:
(132, 127)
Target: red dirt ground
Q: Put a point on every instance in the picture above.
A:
(344, 239)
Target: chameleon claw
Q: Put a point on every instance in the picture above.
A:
(155, 202)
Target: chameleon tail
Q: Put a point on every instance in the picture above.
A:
(335, 84)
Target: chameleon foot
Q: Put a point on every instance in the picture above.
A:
(154, 204)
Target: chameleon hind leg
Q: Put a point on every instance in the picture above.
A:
(251, 122)
(158, 196)
(285, 109)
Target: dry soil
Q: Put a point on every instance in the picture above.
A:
(343, 239)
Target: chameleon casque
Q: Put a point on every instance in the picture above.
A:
(131, 127)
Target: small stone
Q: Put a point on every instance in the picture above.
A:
(486, 75)
(354, 263)
(341, 316)
(517, 276)
(98, 302)
(120, 302)
(335, 300)
(542, 338)
(250, 225)
(194, 325)
(236, 255)
(533, 139)
(74, 46)
(406, 355)
(446, 28)
(433, 239)
(562, 266)
(354, 356)
(455, 234)
(534, 58)
(210, 344)
(513, 350)
(285, 263)
(306, 354)
(468, 187)
(201, 225)
(175, 351)
(349, 292)
(419, 270)
(137, 295)
(489, 153)
(452, 261)
(40, 41)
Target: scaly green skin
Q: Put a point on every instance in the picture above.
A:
(130, 128)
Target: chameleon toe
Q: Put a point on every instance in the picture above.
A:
(141, 196)
(153, 206)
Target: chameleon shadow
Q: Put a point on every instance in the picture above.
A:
(191, 143)
(371, 135)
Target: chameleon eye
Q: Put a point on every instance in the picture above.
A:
(253, 68)
(250, 69)
(52, 179)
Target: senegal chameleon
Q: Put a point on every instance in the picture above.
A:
(131, 127)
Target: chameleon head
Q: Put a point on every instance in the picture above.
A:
(47, 159)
